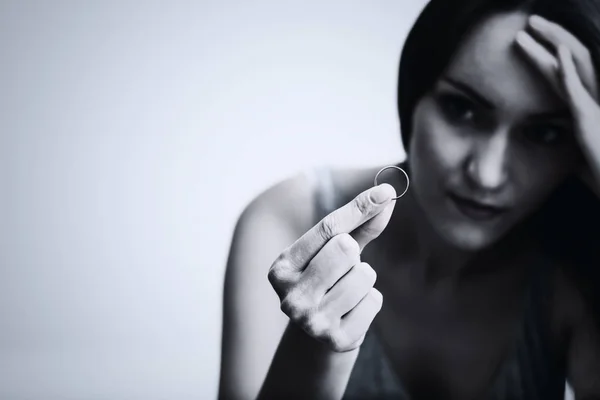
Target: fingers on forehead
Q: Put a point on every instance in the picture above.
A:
(536, 51)
(556, 34)
(574, 86)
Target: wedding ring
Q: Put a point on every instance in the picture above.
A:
(399, 169)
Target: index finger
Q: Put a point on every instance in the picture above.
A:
(556, 35)
(345, 219)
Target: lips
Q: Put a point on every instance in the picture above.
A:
(476, 210)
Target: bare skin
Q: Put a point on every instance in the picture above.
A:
(477, 311)
(452, 288)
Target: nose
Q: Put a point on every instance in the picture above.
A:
(487, 165)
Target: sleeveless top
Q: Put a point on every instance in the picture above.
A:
(533, 371)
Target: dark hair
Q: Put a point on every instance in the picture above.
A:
(569, 223)
(442, 25)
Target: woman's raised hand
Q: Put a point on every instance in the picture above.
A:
(570, 69)
(323, 286)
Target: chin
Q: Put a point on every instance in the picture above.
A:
(469, 238)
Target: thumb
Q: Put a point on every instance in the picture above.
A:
(371, 229)
(346, 219)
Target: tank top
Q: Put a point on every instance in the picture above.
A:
(531, 372)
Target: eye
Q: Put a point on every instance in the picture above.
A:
(547, 135)
(457, 108)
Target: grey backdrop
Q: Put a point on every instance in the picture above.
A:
(132, 134)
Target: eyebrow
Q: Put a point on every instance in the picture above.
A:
(463, 87)
(563, 113)
(479, 98)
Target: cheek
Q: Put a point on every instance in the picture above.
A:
(537, 173)
(436, 143)
(539, 179)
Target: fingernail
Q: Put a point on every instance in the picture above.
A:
(536, 21)
(382, 193)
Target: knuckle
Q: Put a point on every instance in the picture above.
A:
(327, 227)
(275, 275)
(318, 325)
(279, 271)
(347, 245)
(281, 262)
(363, 205)
(293, 305)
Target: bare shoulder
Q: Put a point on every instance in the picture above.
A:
(293, 200)
(349, 182)
(252, 319)
(288, 201)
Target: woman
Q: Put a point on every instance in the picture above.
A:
(481, 266)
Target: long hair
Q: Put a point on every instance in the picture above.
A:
(569, 222)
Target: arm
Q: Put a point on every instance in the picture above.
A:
(304, 368)
(571, 71)
(329, 296)
(252, 320)
(322, 286)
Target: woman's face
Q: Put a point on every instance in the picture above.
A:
(491, 141)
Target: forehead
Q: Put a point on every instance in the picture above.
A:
(489, 61)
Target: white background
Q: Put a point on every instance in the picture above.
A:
(132, 134)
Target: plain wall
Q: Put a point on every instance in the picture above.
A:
(132, 134)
